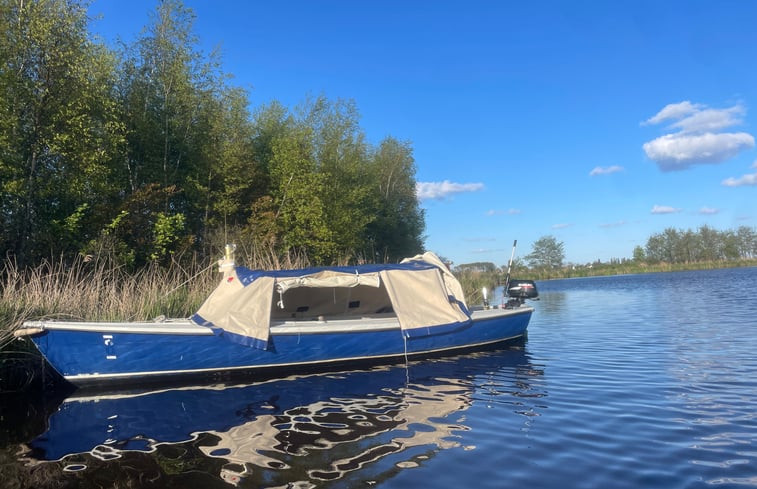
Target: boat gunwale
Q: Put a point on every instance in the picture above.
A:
(379, 322)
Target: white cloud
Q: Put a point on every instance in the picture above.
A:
(709, 120)
(673, 111)
(695, 139)
(562, 226)
(605, 170)
(748, 179)
(708, 211)
(441, 190)
(680, 151)
(664, 209)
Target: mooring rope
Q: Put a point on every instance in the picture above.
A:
(407, 363)
(189, 280)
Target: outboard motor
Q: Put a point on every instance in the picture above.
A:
(520, 290)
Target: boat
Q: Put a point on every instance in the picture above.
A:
(285, 321)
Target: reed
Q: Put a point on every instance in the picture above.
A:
(98, 289)
(473, 282)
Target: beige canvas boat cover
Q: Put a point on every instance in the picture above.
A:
(242, 312)
(451, 283)
(421, 302)
(328, 279)
(421, 292)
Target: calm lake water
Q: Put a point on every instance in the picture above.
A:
(624, 382)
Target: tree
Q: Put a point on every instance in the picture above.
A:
(546, 252)
(327, 192)
(58, 130)
(747, 242)
(143, 153)
(340, 150)
(397, 230)
(228, 175)
(187, 134)
(638, 254)
(300, 212)
(704, 244)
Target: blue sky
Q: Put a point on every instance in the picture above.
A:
(599, 123)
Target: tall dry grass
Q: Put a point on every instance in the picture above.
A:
(95, 289)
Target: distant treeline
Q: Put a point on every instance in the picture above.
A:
(670, 250)
(702, 245)
(147, 153)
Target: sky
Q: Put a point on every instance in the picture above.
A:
(599, 123)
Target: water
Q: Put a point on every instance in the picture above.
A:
(624, 382)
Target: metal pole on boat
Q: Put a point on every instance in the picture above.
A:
(227, 262)
(509, 267)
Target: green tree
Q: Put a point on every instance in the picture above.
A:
(397, 230)
(711, 244)
(228, 177)
(340, 152)
(58, 130)
(300, 216)
(638, 254)
(161, 77)
(143, 153)
(187, 131)
(547, 253)
(357, 202)
(271, 123)
(747, 242)
(704, 244)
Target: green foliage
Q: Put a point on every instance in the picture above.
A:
(705, 244)
(546, 253)
(341, 155)
(137, 155)
(474, 281)
(166, 232)
(477, 267)
(296, 191)
(397, 229)
(638, 254)
(58, 124)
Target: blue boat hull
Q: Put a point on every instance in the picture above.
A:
(107, 355)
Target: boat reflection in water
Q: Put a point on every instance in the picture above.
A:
(298, 430)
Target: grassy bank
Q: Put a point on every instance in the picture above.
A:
(630, 267)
